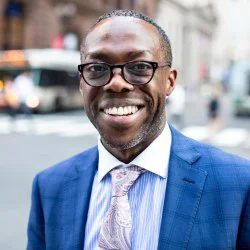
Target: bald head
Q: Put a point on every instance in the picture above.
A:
(166, 51)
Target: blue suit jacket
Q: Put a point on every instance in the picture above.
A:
(207, 203)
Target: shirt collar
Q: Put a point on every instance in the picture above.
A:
(154, 158)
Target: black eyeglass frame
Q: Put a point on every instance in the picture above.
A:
(155, 65)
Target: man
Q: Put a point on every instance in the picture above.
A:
(168, 191)
(25, 89)
(10, 97)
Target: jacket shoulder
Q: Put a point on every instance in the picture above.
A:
(67, 168)
(204, 155)
(224, 169)
(219, 158)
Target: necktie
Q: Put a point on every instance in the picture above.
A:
(116, 228)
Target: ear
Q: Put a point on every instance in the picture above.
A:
(171, 79)
(81, 85)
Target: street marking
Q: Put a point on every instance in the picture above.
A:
(199, 133)
(61, 126)
(230, 137)
(80, 130)
(79, 126)
(247, 142)
(51, 127)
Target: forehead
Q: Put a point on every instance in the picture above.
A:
(121, 35)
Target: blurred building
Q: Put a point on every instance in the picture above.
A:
(56, 23)
(232, 41)
(191, 30)
(62, 23)
(233, 33)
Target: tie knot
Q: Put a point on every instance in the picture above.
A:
(124, 178)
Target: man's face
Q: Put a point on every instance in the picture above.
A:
(118, 40)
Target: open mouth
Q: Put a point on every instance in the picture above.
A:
(121, 111)
(123, 116)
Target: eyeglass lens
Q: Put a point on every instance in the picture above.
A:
(138, 73)
(96, 74)
(99, 74)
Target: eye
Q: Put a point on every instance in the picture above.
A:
(139, 68)
(96, 68)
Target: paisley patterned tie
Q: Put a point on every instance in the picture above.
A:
(117, 224)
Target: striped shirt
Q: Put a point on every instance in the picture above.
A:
(146, 196)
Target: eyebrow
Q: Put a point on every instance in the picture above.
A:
(138, 53)
(97, 55)
(100, 55)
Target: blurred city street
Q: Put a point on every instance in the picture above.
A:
(39, 54)
(27, 147)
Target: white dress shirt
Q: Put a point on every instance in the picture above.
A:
(146, 196)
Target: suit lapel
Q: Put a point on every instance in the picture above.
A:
(183, 193)
(77, 198)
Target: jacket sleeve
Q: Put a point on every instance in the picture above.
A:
(244, 229)
(36, 228)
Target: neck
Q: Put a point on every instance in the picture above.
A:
(127, 155)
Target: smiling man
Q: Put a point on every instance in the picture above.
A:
(145, 186)
(125, 81)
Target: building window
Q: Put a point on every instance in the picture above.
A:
(13, 28)
(132, 4)
(125, 4)
(118, 4)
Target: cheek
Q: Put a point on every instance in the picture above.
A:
(157, 91)
(89, 96)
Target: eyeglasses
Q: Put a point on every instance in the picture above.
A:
(136, 73)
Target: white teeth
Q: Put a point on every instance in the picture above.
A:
(114, 111)
(129, 109)
(121, 110)
(125, 110)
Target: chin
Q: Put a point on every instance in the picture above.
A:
(121, 144)
(125, 139)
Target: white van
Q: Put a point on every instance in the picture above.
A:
(54, 74)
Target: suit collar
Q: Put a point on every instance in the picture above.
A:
(78, 187)
(84, 162)
(183, 193)
(183, 147)
(160, 147)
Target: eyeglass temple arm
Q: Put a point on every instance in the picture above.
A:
(164, 65)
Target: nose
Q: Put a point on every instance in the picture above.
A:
(118, 83)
